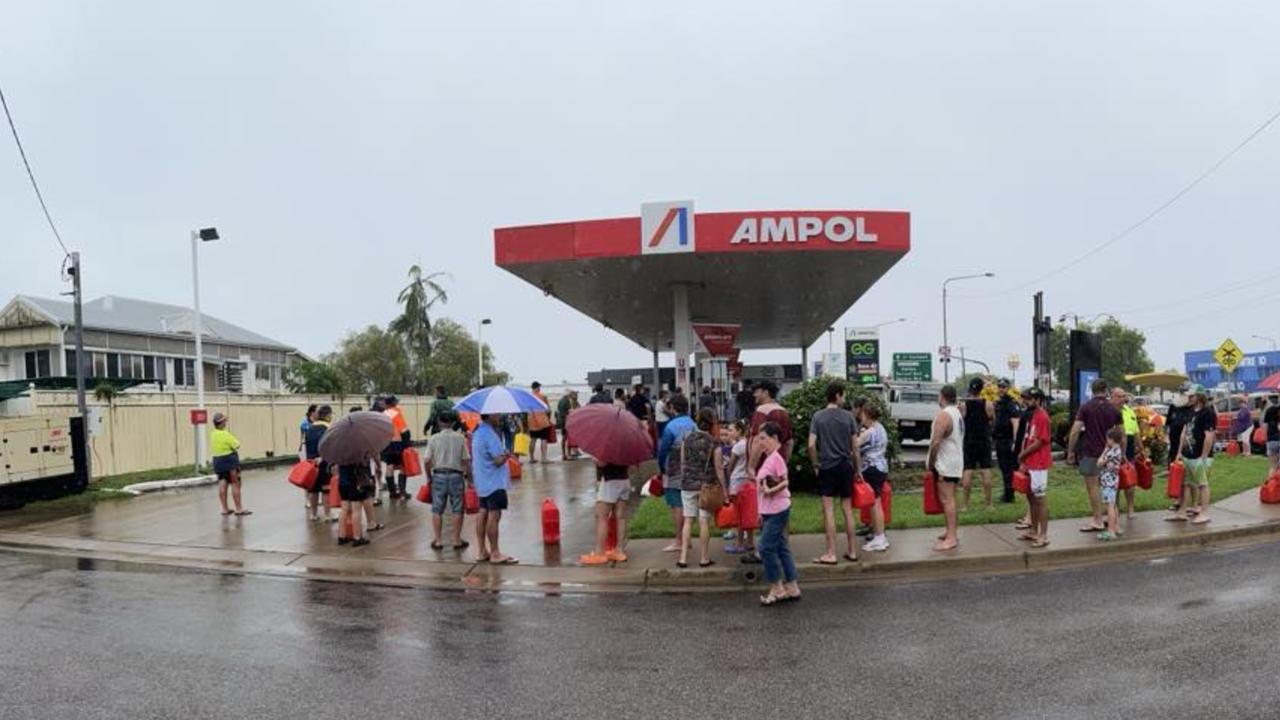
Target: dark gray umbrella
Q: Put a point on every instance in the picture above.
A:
(356, 438)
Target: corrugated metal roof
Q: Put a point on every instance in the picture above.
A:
(122, 314)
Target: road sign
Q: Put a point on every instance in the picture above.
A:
(862, 355)
(944, 353)
(1228, 355)
(1014, 362)
(199, 417)
(913, 367)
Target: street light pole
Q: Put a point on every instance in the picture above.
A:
(198, 236)
(81, 403)
(480, 351)
(877, 326)
(1268, 339)
(946, 366)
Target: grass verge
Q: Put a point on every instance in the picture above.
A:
(1067, 499)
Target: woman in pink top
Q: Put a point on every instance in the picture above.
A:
(775, 511)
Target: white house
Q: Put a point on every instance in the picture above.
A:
(134, 339)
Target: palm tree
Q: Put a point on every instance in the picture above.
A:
(414, 324)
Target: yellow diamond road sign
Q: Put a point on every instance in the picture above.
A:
(1228, 355)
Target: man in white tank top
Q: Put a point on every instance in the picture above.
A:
(946, 461)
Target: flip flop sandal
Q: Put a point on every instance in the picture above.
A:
(1201, 520)
(847, 556)
(482, 559)
(1022, 526)
(507, 561)
(707, 563)
(226, 513)
(379, 526)
(437, 546)
(1040, 544)
(820, 561)
(461, 546)
(792, 598)
(771, 600)
(242, 513)
(682, 565)
(1092, 529)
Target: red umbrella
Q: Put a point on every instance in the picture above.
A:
(1271, 382)
(610, 434)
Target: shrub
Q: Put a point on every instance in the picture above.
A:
(808, 399)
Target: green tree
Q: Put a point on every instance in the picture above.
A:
(802, 402)
(314, 378)
(372, 361)
(1124, 352)
(453, 359)
(413, 326)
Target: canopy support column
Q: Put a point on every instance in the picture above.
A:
(683, 345)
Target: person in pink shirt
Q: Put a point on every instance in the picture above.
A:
(775, 511)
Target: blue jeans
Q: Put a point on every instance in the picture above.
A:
(775, 551)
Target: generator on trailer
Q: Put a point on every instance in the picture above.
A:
(40, 459)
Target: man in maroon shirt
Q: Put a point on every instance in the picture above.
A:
(1093, 420)
(768, 410)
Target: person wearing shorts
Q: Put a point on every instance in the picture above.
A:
(393, 454)
(1036, 458)
(946, 462)
(225, 449)
(873, 443)
(833, 452)
(1109, 480)
(697, 469)
(979, 415)
(539, 428)
(489, 458)
(1199, 436)
(669, 463)
(354, 485)
(613, 490)
(446, 463)
(1086, 443)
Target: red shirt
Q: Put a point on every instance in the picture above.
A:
(1042, 458)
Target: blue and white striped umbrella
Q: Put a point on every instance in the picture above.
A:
(501, 401)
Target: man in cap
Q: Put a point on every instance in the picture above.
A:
(1036, 458)
(1197, 452)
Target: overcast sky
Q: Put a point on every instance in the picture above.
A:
(333, 144)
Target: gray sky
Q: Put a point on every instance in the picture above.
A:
(333, 144)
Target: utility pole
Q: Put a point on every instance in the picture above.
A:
(81, 403)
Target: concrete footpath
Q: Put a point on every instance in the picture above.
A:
(183, 528)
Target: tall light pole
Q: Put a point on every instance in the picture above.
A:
(1268, 339)
(198, 236)
(877, 326)
(480, 351)
(946, 366)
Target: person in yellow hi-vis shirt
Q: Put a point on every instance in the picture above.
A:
(226, 464)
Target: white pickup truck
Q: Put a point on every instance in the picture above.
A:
(913, 406)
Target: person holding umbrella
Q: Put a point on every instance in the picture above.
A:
(350, 444)
(618, 440)
(492, 480)
(489, 457)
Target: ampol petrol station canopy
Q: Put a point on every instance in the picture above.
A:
(783, 275)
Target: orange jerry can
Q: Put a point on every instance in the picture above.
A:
(551, 523)
(1233, 448)
(886, 505)
(515, 469)
(411, 462)
(932, 503)
(1176, 472)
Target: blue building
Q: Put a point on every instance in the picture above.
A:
(1255, 367)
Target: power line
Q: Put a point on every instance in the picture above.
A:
(34, 185)
(1149, 216)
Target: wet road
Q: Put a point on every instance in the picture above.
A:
(1193, 636)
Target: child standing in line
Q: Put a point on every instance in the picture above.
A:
(1109, 463)
(736, 471)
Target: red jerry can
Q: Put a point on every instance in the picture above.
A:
(515, 468)
(748, 506)
(1270, 491)
(305, 474)
(886, 504)
(424, 492)
(610, 542)
(411, 462)
(333, 500)
(863, 496)
(1176, 472)
(1022, 482)
(932, 503)
(1146, 474)
(1233, 447)
(551, 523)
(1128, 476)
(470, 501)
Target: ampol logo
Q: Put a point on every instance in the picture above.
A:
(666, 227)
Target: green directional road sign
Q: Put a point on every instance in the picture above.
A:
(913, 367)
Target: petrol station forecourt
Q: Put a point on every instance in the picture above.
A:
(782, 276)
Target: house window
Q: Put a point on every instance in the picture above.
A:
(113, 365)
(149, 367)
(37, 364)
(135, 367)
(69, 363)
(99, 365)
(184, 372)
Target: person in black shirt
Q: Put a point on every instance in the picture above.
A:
(638, 404)
(1197, 449)
(600, 397)
(978, 414)
(1271, 420)
(1007, 413)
